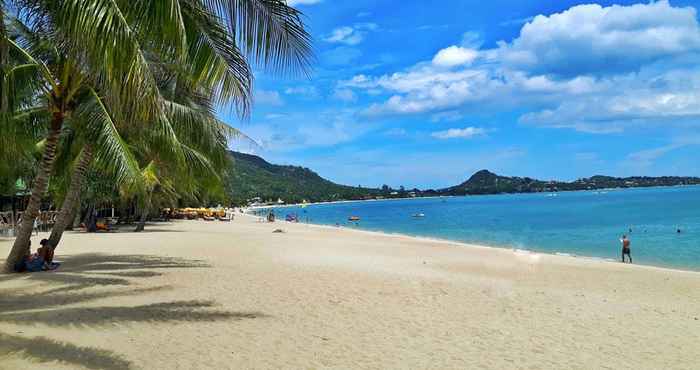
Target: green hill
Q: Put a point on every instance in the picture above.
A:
(485, 182)
(253, 177)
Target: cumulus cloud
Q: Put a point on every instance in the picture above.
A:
(669, 98)
(596, 40)
(459, 133)
(350, 35)
(455, 56)
(589, 68)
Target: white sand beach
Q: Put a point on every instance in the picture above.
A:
(197, 295)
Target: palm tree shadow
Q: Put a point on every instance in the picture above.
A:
(42, 349)
(96, 269)
(83, 317)
(90, 278)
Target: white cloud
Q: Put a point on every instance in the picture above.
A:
(596, 40)
(345, 95)
(461, 133)
(345, 35)
(454, 56)
(668, 98)
(302, 2)
(351, 35)
(590, 68)
(268, 97)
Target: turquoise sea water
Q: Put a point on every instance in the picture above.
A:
(586, 223)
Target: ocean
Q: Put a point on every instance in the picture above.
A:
(582, 223)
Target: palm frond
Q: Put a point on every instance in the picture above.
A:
(112, 153)
(270, 31)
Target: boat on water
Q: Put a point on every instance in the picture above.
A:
(354, 218)
(418, 215)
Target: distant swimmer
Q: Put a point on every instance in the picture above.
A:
(678, 231)
(626, 248)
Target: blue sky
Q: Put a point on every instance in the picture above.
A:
(422, 95)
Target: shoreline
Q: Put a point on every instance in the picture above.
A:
(352, 201)
(455, 243)
(284, 205)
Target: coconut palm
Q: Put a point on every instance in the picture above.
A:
(216, 64)
(105, 45)
(63, 83)
(61, 87)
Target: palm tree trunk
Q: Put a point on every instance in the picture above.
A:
(76, 216)
(142, 221)
(65, 215)
(20, 248)
(4, 57)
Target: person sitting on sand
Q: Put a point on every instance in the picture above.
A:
(46, 251)
(33, 262)
(626, 248)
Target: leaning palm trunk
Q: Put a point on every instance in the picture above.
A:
(142, 220)
(20, 248)
(66, 215)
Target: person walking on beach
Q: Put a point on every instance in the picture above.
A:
(625, 248)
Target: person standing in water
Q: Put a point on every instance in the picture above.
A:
(625, 248)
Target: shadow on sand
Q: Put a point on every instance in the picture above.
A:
(91, 277)
(43, 350)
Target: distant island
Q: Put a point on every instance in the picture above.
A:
(254, 180)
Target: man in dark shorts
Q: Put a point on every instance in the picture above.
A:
(625, 248)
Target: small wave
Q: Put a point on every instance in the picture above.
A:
(564, 254)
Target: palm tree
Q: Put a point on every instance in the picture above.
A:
(108, 39)
(217, 65)
(62, 86)
(62, 83)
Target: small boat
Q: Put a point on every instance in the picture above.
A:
(417, 215)
(354, 218)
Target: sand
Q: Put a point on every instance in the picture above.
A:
(199, 295)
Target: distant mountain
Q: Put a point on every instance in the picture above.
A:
(254, 177)
(486, 182)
